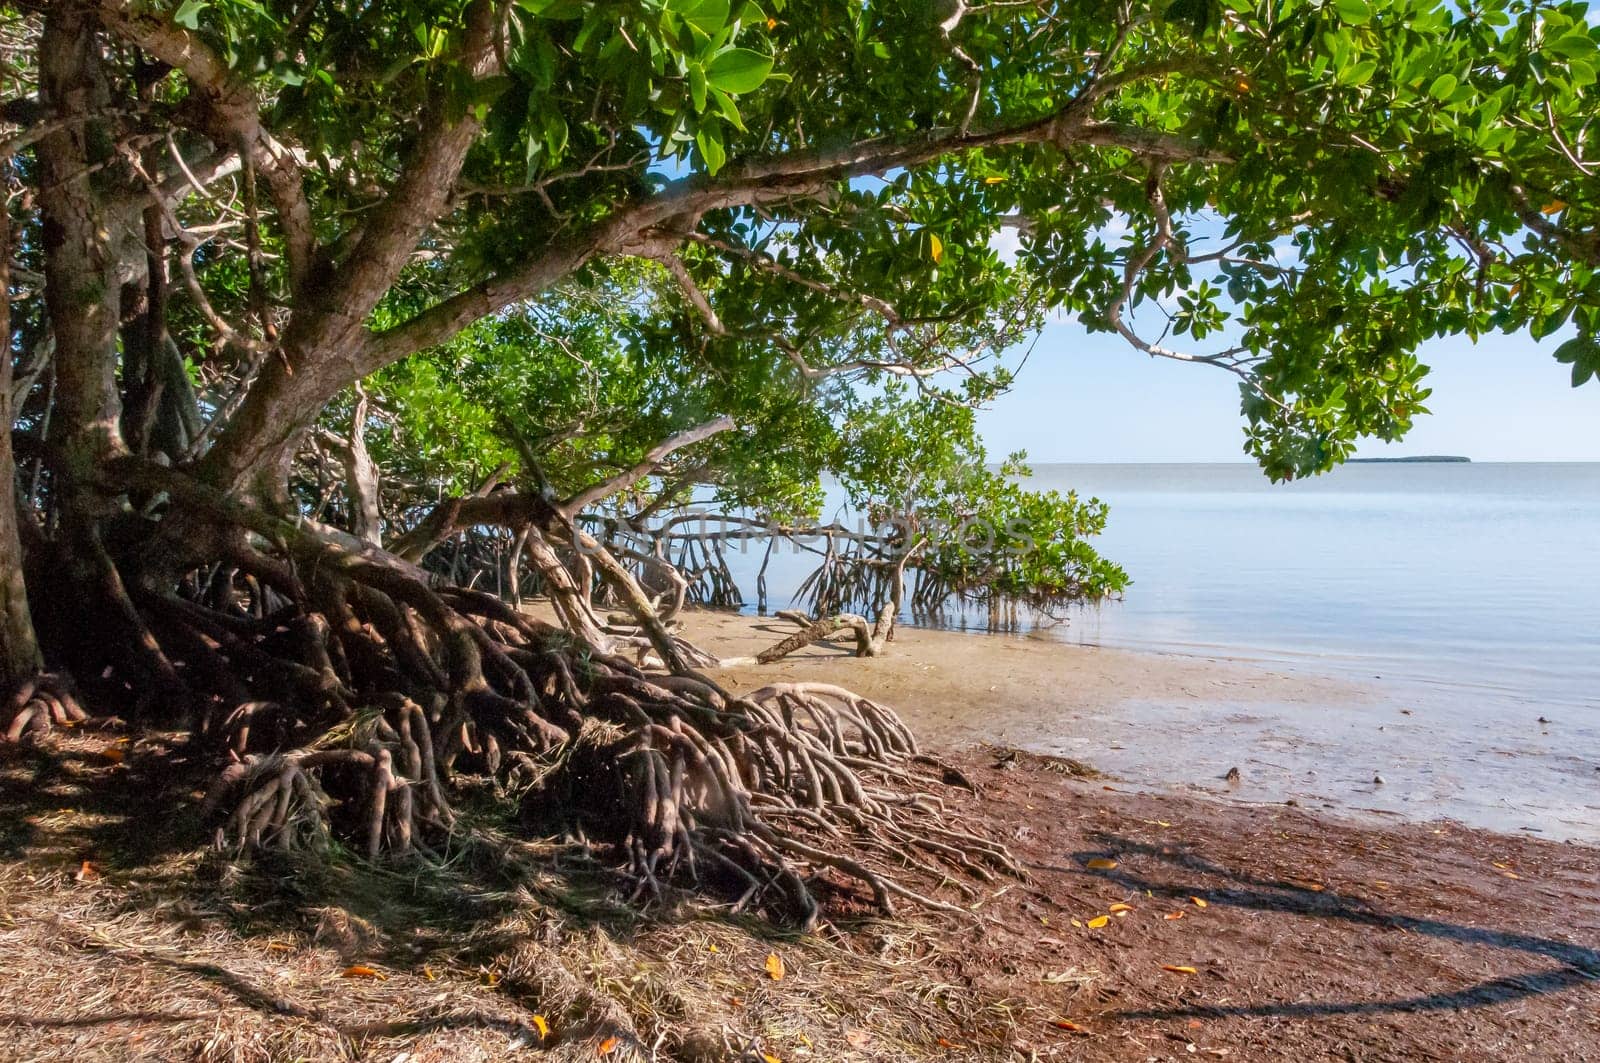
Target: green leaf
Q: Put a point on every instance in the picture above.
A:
(1355, 12)
(1359, 74)
(707, 16)
(188, 13)
(709, 140)
(1443, 86)
(697, 86)
(1577, 45)
(1583, 353)
(739, 70)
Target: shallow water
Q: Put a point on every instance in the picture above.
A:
(1464, 599)
(1467, 595)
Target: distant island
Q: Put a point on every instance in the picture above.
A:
(1418, 458)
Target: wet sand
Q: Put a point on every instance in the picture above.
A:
(1175, 722)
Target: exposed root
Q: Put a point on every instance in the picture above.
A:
(39, 704)
(343, 691)
(770, 794)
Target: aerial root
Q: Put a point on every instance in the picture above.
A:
(349, 707)
(39, 704)
(381, 762)
(765, 793)
(273, 800)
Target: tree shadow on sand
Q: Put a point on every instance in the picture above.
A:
(496, 902)
(1578, 965)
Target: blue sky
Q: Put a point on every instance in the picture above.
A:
(1094, 398)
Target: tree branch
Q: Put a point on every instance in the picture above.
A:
(231, 115)
(652, 459)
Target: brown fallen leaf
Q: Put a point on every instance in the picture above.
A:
(775, 969)
(1176, 969)
(361, 970)
(1100, 863)
(113, 756)
(856, 1037)
(1099, 921)
(945, 1042)
(606, 1047)
(542, 1024)
(87, 872)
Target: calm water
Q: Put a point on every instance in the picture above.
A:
(1480, 578)
(1463, 601)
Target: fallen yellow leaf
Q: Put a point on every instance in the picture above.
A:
(1068, 1025)
(1198, 903)
(1175, 969)
(775, 966)
(1099, 921)
(1077, 924)
(1173, 915)
(543, 1026)
(427, 972)
(87, 872)
(1100, 863)
(606, 1047)
(361, 970)
(1305, 884)
(768, 1057)
(1120, 907)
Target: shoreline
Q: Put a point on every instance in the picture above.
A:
(1377, 752)
(1150, 922)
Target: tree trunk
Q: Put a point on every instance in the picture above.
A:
(361, 477)
(77, 167)
(570, 604)
(81, 290)
(19, 648)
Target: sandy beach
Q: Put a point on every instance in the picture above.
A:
(1218, 921)
(1176, 722)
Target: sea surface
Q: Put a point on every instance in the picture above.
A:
(1481, 579)
(1461, 602)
